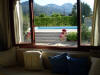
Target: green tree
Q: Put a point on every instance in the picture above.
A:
(74, 10)
(85, 11)
(74, 14)
(56, 15)
(42, 15)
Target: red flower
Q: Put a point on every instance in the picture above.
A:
(63, 30)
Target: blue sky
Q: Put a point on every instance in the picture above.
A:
(60, 2)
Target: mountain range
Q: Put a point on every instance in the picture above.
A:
(49, 9)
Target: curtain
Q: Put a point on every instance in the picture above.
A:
(5, 29)
(18, 22)
(96, 36)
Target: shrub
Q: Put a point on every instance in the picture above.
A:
(42, 15)
(54, 21)
(72, 36)
(86, 34)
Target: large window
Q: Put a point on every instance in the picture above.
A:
(55, 22)
(66, 23)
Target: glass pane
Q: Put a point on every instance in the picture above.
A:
(55, 22)
(86, 21)
(22, 28)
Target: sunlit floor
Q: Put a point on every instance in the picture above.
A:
(66, 43)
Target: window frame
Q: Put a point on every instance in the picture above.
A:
(78, 33)
(92, 31)
(32, 44)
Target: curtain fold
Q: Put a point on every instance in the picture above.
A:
(5, 29)
(6, 41)
(96, 37)
(18, 22)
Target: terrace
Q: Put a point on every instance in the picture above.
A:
(49, 36)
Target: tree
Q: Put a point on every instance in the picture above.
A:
(42, 15)
(56, 15)
(74, 10)
(85, 11)
(74, 14)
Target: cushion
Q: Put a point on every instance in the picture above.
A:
(78, 54)
(32, 60)
(20, 56)
(95, 68)
(59, 63)
(45, 55)
(78, 66)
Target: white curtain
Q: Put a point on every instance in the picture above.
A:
(97, 25)
(18, 22)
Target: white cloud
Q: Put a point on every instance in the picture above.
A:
(58, 2)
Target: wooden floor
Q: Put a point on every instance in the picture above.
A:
(22, 71)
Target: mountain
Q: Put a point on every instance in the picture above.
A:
(68, 7)
(65, 9)
(25, 7)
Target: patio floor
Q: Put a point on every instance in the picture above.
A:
(50, 37)
(66, 43)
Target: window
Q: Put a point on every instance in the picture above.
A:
(22, 27)
(54, 23)
(87, 7)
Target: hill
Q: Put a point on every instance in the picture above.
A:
(65, 9)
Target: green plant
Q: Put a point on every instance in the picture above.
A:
(72, 36)
(42, 15)
(26, 23)
(55, 21)
(85, 34)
